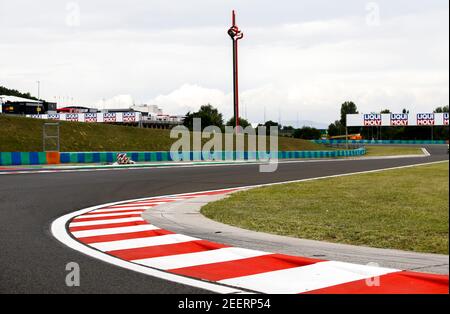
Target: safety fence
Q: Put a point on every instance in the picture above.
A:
(385, 142)
(42, 158)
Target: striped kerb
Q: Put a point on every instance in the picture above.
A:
(120, 231)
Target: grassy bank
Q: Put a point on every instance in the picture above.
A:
(389, 150)
(24, 134)
(403, 209)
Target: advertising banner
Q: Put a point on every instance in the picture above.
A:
(426, 119)
(90, 117)
(398, 119)
(445, 117)
(109, 117)
(372, 119)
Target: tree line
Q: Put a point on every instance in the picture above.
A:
(210, 116)
(12, 92)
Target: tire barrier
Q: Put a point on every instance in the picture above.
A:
(42, 158)
(28, 158)
(122, 159)
(386, 142)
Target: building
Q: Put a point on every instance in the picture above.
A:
(155, 114)
(116, 110)
(77, 109)
(19, 105)
(147, 110)
(50, 107)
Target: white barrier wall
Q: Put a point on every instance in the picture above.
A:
(110, 117)
(398, 119)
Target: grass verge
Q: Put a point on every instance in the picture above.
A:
(403, 209)
(393, 150)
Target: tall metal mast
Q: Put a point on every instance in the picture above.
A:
(235, 34)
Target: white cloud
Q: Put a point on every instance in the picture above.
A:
(190, 98)
(116, 102)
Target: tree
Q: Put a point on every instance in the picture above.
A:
(385, 111)
(288, 128)
(307, 133)
(441, 109)
(209, 116)
(242, 122)
(335, 128)
(441, 132)
(271, 123)
(347, 107)
(268, 124)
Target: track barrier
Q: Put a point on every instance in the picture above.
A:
(45, 158)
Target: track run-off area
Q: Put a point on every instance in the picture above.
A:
(33, 260)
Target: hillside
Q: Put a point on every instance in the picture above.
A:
(25, 134)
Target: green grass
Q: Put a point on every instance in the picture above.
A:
(393, 150)
(403, 209)
(25, 134)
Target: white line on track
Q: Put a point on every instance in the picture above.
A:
(425, 152)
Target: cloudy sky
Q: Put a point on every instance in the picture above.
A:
(297, 59)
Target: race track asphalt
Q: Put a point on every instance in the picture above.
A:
(32, 261)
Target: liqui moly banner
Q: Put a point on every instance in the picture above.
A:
(372, 119)
(109, 117)
(90, 117)
(425, 119)
(129, 117)
(74, 117)
(445, 117)
(53, 116)
(398, 119)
